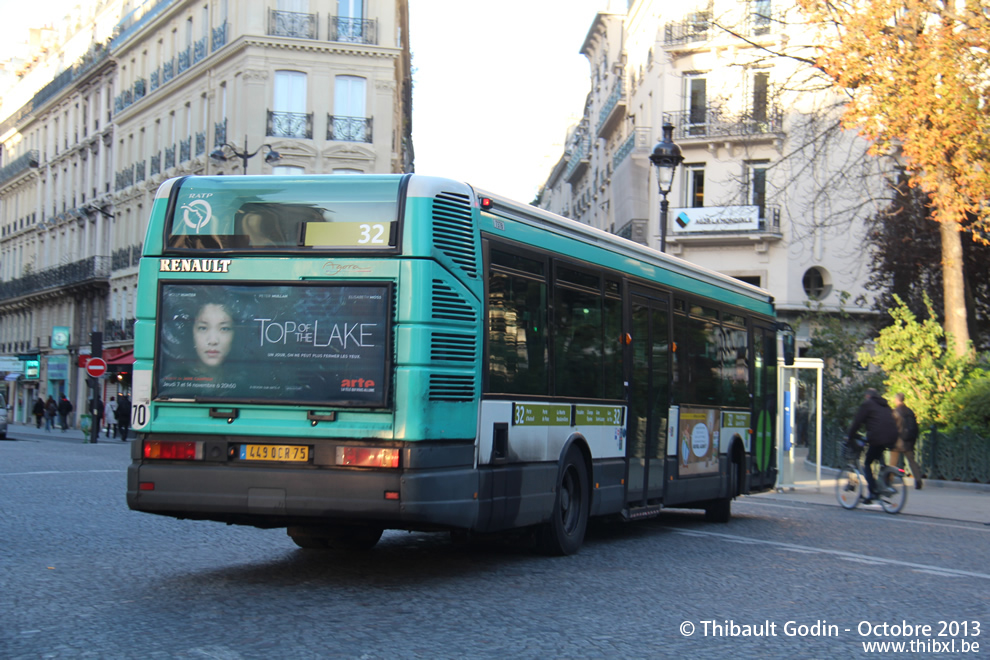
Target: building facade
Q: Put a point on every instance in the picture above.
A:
(176, 87)
(772, 189)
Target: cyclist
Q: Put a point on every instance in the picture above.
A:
(881, 434)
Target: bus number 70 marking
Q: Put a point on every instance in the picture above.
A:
(367, 237)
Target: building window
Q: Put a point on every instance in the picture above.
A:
(817, 283)
(696, 185)
(756, 175)
(288, 170)
(697, 105)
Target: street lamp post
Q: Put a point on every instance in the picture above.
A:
(271, 157)
(666, 157)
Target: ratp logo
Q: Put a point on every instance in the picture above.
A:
(196, 214)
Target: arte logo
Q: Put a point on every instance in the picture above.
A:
(357, 385)
(682, 220)
(196, 214)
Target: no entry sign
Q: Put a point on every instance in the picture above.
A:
(96, 367)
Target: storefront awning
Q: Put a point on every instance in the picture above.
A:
(13, 376)
(125, 358)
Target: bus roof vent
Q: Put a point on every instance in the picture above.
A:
(451, 387)
(453, 231)
(450, 305)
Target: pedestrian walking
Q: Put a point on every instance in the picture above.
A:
(123, 416)
(110, 417)
(38, 411)
(907, 436)
(64, 410)
(51, 410)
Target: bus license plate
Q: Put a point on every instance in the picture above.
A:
(289, 453)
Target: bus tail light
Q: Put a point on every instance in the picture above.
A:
(170, 450)
(375, 457)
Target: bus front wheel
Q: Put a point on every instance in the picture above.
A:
(563, 534)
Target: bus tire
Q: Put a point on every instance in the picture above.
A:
(564, 532)
(719, 510)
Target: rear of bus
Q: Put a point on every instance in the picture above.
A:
(307, 354)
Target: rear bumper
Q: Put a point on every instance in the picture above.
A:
(437, 489)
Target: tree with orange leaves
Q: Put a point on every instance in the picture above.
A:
(918, 76)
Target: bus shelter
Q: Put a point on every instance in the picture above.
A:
(791, 402)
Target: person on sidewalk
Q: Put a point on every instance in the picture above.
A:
(51, 411)
(64, 410)
(110, 417)
(38, 411)
(96, 413)
(907, 436)
(881, 435)
(123, 416)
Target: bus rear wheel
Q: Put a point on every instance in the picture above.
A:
(338, 537)
(563, 534)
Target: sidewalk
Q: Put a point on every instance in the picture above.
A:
(17, 431)
(946, 500)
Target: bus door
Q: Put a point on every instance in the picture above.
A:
(763, 468)
(649, 398)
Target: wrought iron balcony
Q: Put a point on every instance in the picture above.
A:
(696, 26)
(218, 38)
(114, 330)
(353, 30)
(185, 149)
(90, 270)
(155, 164)
(579, 159)
(199, 50)
(155, 79)
(348, 129)
(712, 123)
(292, 24)
(612, 111)
(140, 88)
(289, 124)
(219, 133)
(184, 59)
(139, 170)
(18, 165)
(168, 71)
(200, 143)
(169, 157)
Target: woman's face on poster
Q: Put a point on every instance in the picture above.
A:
(213, 334)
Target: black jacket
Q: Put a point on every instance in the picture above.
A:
(881, 429)
(907, 426)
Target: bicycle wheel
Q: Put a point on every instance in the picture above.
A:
(893, 502)
(849, 485)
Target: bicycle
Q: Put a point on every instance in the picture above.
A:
(851, 487)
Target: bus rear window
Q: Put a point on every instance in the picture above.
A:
(345, 212)
(286, 343)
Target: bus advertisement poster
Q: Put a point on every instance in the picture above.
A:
(315, 344)
(698, 434)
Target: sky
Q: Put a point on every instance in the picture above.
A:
(495, 87)
(495, 84)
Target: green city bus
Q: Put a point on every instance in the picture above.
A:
(343, 354)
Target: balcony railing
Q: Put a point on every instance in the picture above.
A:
(289, 124)
(292, 24)
(185, 149)
(114, 330)
(155, 164)
(200, 143)
(348, 129)
(219, 133)
(353, 30)
(712, 122)
(18, 165)
(169, 157)
(694, 27)
(218, 39)
(199, 50)
(184, 59)
(78, 272)
(126, 257)
(168, 70)
(579, 159)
